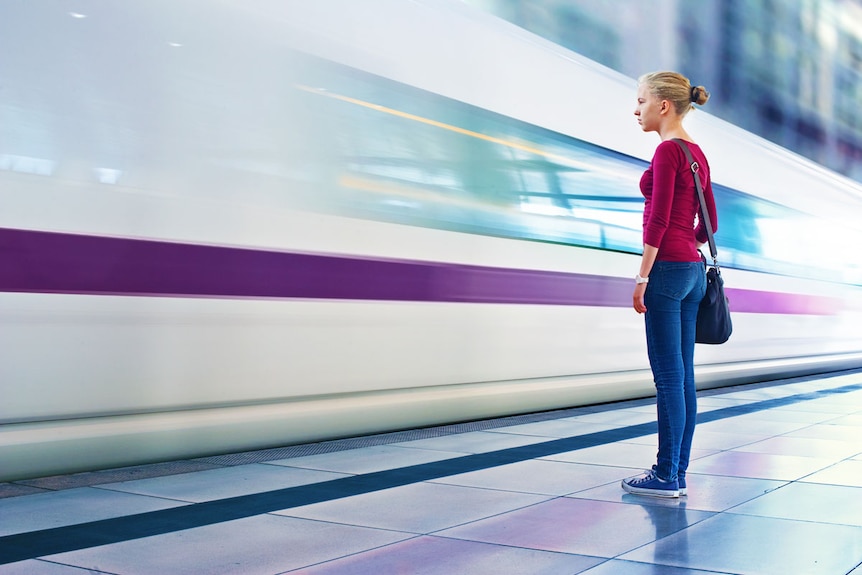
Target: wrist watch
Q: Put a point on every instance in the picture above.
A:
(640, 280)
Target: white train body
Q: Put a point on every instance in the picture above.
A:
(238, 224)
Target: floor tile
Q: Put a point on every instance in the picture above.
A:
(750, 426)
(722, 440)
(761, 465)
(538, 476)
(556, 428)
(619, 416)
(617, 567)
(714, 402)
(708, 441)
(579, 526)
(748, 545)
(39, 567)
(221, 483)
(847, 473)
(705, 493)
(651, 439)
(72, 506)
(829, 405)
(771, 392)
(854, 420)
(763, 394)
(809, 502)
(416, 508)
(844, 433)
(366, 459)
(473, 442)
(440, 556)
(786, 415)
(802, 447)
(646, 406)
(618, 454)
(265, 544)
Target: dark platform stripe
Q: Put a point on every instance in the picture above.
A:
(34, 544)
(49, 262)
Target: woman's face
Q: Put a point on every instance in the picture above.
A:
(648, 110)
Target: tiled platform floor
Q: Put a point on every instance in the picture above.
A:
(776, 488)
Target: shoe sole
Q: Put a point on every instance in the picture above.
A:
(666, 493)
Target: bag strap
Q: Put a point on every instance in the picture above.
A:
(704, 213)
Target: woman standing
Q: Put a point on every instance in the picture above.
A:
(671, 281)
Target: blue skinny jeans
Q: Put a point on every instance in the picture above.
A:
(672, 297)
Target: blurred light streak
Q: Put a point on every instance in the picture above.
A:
(435, 123)
(107, 175)
(26, 165)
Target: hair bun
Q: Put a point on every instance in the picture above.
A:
(699, 95)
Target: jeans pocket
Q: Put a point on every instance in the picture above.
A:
(674, 280)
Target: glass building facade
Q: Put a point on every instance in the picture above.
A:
(787, 70)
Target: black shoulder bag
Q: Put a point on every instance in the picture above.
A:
(713, 317)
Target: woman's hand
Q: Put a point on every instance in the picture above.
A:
(638, 298)
(647, 260)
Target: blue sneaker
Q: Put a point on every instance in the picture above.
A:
(683, 490)
(650, 484)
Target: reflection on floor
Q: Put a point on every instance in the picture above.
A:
(775, 487)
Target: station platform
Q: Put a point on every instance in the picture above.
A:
(775, 487)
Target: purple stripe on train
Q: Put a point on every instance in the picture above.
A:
(48, 262)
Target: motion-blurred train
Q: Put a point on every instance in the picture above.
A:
(237, 224)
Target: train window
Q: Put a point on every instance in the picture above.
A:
(413, 157)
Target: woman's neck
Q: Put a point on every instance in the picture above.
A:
(676, 133)
(672, 128)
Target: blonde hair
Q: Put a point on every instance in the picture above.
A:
(675, 88)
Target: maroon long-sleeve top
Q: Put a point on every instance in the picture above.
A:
(672, 203)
